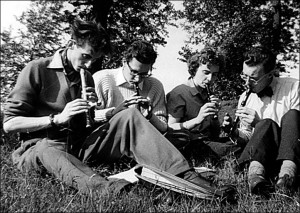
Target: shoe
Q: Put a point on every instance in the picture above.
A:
(224, 191)
(258, 185)
(285, 182)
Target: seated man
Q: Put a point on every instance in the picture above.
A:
(270, 119)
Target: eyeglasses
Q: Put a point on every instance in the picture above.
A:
(136, 73)
(253, 80)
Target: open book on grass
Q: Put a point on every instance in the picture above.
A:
(166, 180)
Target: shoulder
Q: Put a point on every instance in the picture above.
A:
(287, 80)
(180, 92)
(287, 83)
(35, 67)
(180, 89)
(153, 82)
(105, 74)
(40, 63)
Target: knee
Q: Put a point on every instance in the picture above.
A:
(292, 114)
(265, 122)
(131, 112)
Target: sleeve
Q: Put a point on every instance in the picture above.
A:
(101, 89)
(295, 96)
(157, 96)
(21, 101)
(244, 132)
(176, 105)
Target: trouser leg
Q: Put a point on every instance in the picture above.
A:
(289, 148)
(221, 149)
(263, 145)
(130, 134)
(52, 156)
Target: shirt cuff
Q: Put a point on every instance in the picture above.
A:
(102, 114)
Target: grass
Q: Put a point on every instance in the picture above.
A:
(32, 193)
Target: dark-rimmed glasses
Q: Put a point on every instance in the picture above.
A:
(135, 73)
(251, 79)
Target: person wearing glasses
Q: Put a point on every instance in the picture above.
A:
(192, 110)
(271, 121)
(132, 85)
(132, 118)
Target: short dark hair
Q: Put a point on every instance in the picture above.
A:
(261, 55)
(206, 56)
(141, 50)
(91, 32)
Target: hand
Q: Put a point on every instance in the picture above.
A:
(125, 104)
(206, 110)
(227, 123)
(216, 100)
(145, 106)
(91, 95)
(72, 108)
(248, 117)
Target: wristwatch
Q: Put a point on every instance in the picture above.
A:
(51, 118)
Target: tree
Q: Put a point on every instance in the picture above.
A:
(232, 26)
(126, 21)
(44, 34)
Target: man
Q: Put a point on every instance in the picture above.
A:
(270, 119)
(117, 88)
(46, 108)
(133, 122)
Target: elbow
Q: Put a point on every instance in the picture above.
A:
(8, 127)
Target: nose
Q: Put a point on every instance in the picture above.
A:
(137, 78)
(88, 64)
(247, 81)
(209, 77)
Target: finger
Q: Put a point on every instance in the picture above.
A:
(215, 99)
(90, 89)
(77, 112)
(134, 98)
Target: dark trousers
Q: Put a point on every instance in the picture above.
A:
(270, 144)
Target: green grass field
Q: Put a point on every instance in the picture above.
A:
(32, 193)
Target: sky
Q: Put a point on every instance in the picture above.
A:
(168, 68)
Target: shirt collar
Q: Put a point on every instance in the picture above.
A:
(193, 89)
(120, 80)
(56, 62)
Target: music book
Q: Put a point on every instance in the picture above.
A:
(166, 180)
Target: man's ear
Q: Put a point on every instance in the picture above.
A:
(71, 43)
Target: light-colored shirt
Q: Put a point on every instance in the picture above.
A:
(112, 89)
(285, 97)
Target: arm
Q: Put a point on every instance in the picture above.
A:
(31, 102)
(31, 124)
(153, 95)
(159, 111)
(205, 111)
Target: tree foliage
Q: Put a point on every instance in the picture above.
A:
(44, 31)
(127, 21)
(232, 26)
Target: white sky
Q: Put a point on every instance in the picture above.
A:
(168, 69)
